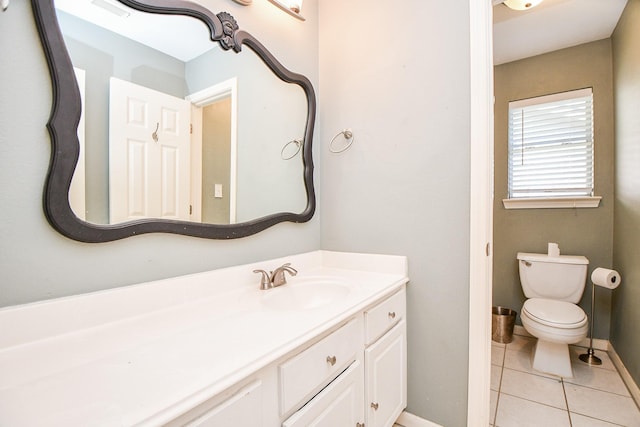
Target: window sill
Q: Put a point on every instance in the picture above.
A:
(552, 203)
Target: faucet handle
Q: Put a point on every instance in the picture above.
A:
(278, 277)
(287, 267)
(265, 280)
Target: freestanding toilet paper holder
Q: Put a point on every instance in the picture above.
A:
(590, 357)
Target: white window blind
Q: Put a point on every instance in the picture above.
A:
(551, 146)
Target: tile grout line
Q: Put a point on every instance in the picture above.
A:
(504, 355)
(591, 388)
(599, 389)
(566, 402)
(500, 392)
(593, 417)
(535, 401)
(535, 374)
(564, 382)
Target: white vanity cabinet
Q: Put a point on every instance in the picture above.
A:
(355, 376)
(211, 350)
(385, 359)
(373, 395)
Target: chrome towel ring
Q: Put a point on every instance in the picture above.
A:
(297, 142)
(348, 135)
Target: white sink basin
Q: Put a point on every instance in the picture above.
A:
(305, 294)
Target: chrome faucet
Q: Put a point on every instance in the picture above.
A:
(276, 277)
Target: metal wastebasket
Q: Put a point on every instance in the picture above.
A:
(502, 322)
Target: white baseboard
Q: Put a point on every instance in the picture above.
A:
(409, 420)
(626, 376)
(598, 344)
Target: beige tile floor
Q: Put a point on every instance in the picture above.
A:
(594, 397)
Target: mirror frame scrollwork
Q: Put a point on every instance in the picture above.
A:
(66, 111)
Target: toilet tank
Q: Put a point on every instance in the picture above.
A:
(560, 277)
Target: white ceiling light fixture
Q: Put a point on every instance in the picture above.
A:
(521, 4)
(292, 7)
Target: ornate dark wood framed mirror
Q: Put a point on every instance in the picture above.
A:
(261, 182)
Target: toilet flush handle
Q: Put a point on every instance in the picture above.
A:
(526, 263)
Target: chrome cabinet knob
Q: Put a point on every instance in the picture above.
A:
(374, 406)
(392, 315)
(331, 360)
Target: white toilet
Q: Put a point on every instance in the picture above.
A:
(553, 286)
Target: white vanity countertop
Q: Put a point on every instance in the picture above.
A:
(145, 354)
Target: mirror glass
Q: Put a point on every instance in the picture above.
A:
(173, 126)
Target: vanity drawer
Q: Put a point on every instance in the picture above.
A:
(341, 403)
(305, 374)
(384, 316)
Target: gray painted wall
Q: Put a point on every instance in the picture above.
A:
(397, 73)
(270, 113)
(625, 325)
(587, 232)
(36, 262)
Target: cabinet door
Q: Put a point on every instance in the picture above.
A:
(340, 404)
(386, 377)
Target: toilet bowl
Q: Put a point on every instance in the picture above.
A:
(553, 285)
(556, 324)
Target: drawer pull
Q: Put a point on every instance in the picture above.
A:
(392, 315)
(359, 424)
(374, 406)
(331, 360)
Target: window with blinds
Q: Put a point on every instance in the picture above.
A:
(551, 146)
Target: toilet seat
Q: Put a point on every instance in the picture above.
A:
(554, 313)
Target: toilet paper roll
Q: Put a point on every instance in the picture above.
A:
(606, 278)
(553, 250)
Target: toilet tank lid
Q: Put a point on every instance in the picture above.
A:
(560, 259)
